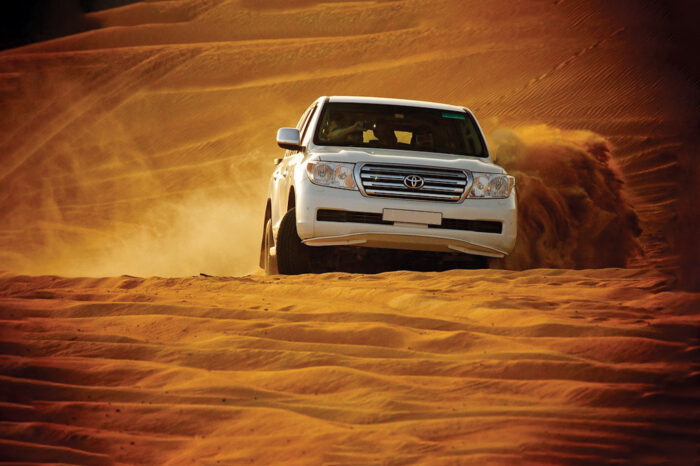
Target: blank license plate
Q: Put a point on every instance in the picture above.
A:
(412, 216)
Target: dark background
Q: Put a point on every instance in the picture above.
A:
(26, 21)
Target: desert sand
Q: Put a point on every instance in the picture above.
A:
(441, 368)
(142, 148)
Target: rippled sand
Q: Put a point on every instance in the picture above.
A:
(461, 366)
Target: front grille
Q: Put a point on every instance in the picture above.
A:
(346, 216)
(388, 181)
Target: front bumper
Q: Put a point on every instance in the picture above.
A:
(310, 198)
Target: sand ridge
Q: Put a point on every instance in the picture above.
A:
(477, 365)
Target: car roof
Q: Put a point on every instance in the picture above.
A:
(387, 101)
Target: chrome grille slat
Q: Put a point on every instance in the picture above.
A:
(411, 195)
(401, 187)
(381, 176)
(371, 176)
(380, 180)
(444, 181)
(413, 171)
(383, 184)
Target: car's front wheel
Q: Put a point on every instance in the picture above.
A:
(293, 256)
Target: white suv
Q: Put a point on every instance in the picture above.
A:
(396, 174)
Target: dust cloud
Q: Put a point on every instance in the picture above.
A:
(85, 191)
(217, 236)
(572, 211)
(198, 234)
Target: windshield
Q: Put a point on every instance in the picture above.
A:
(399, 127)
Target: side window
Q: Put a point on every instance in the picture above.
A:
(306, 123)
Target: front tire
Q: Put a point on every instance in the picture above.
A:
(293, 257)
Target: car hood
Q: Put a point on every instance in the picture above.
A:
(405, 157)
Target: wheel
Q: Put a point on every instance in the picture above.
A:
(293, 257)
(269, 261)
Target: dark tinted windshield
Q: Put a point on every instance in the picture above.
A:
(399, 127)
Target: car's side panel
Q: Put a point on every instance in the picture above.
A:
(295, 166)
(277, 177)
(281, 178)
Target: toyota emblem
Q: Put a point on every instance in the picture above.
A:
(413, 181)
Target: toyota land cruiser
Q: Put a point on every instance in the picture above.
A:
(385, 173)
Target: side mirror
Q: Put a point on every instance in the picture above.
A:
(288, 138)
(277, 161)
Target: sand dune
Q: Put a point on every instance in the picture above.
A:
(143, 146)
(562, 366)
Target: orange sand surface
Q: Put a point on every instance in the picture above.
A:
(143, 147)
(402, 367)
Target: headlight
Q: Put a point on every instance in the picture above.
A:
(491, 186)
(331, 174)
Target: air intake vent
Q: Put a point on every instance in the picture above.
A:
(347, 216)
(410, 182)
